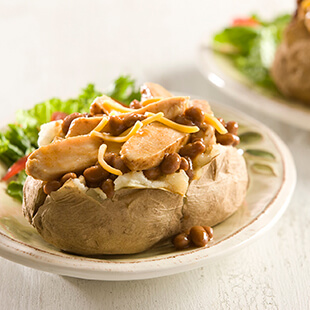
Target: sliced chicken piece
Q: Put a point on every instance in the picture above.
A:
(171, 107)
(147, 148)
(74, 154)
(152, 90)
(82, 126)
(202, 104)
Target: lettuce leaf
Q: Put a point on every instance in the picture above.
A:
(252, 49)
(124, 90)
(20, 138)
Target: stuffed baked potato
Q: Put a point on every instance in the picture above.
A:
(118, 180)
(291, 66)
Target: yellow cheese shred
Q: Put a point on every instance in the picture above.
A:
(119, 139)
(103, 163)
(102, 124)
(305, 4)
(109, 105)
(178, 127)
(151, 100)
(159, 117)
(212, 120)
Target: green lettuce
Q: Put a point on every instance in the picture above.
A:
(20, 138)
(252, 49)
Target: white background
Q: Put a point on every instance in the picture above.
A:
(54, 48)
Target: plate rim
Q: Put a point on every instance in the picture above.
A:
(247, 96)
(98, 269)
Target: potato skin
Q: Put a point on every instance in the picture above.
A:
(291, 67)
(131, 222)
(219, 192)
(135, 219)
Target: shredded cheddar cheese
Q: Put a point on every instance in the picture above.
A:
(103, 163)
(120, 139)
(212, 120)
(305, 4)
(178, 127)
(102, 124)
(151, 100)
(110, 105)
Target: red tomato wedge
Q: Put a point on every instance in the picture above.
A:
(16, 168)
(250, 22)
(58, 115)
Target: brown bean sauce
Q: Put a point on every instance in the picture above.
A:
(229, 138)
(107, 187)
(192, 150)
(152, 173)
(67, 176)
(68, 120)
(119, 123)
(95, 174)
(51, 186)
(171, 163)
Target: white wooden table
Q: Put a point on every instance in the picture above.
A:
(53, 48)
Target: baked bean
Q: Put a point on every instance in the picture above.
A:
(199, 236)
(107, 187)
(192, 149)
(195, 114)
(68, 120)
(222, 121)
(119, 164)
(184, 164)
(170, 163)
(232, 127)
(152, 173)
(227, 139)
(130, 119)
(197, 136)
(67, 176)
(95, 174)
(190, 170)
(181, 241)
(209, 231)
(135, 104)
(119, 123)
(116, 161)
(51, 186)
(113, 177)
(110, 157)
(181, 119)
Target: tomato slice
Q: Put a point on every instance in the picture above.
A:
(250, 22)
(58, 115)
(16, 168)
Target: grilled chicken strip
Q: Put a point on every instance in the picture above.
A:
(152, 90)
(171, 107)
(147, 148)
(82, 126)
(74, 154)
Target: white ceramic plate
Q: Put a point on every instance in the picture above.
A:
(272, 181)
(221, 72)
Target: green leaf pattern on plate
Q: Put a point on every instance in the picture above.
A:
(250, 137)
(258, 159)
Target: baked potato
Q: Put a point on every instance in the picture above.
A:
(160, 178)
(291, 67)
